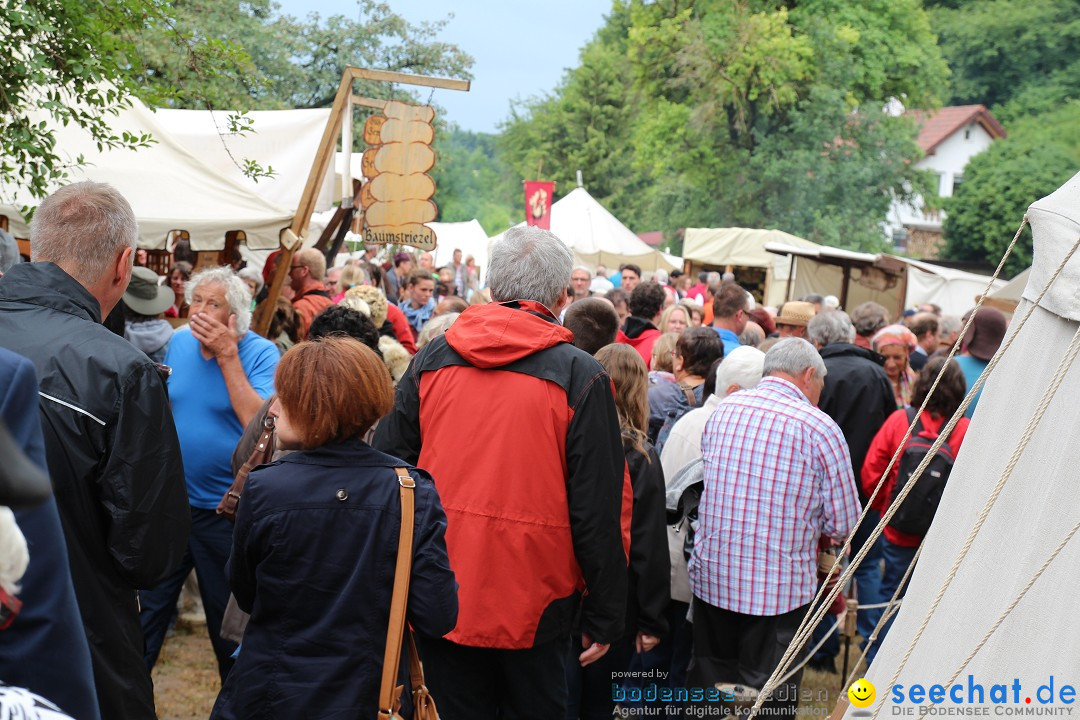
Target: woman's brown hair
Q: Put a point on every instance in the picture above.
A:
(631, 379)
(333, 389)
(950, 391)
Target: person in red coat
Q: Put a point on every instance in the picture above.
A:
(639, 331)
(900, 547)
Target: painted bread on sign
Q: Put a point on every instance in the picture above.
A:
(396, 197)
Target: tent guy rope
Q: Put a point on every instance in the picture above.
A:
(815, 612)
(1029, 430)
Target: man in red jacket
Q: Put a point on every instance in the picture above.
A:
(640, 331)
(519, 430)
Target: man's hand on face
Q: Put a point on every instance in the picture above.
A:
(217, 339)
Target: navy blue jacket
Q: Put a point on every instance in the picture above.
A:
(313, 559)
(45, 649)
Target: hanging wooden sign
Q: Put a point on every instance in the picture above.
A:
(396, 199)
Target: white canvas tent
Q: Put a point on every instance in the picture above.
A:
(189, 183)
(469, 237)
(1032, 517)
(598, 238)
(745, 247)
(894, 282)
(285, 140)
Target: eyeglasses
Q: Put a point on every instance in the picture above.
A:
(295, 267)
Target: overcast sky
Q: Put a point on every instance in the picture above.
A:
(521, 49)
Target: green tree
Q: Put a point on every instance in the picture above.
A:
(473, 183)
(1011, 54)
(1039, 155)
(755, 112)
(69, 62)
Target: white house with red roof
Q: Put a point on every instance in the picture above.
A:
(949, 138)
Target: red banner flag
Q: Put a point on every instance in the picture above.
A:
(538, 194)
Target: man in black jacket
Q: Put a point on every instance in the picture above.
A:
(858, 396)
(109, 436)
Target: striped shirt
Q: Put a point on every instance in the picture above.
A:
(777, 477)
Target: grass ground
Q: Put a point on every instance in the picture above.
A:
(186, 679)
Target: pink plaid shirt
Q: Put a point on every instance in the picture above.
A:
(777, 477)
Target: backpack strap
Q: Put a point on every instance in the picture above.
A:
(911, 413)
(689, 393)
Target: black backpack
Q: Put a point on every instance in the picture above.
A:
(917, 513)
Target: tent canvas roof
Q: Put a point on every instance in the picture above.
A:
(741, 247)
(598, 238)
(285, 140)
(168, 185)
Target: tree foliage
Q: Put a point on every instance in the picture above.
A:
(472, 182)
(81, 62)
(1022, 59)
(1040, 154)
(746, 112)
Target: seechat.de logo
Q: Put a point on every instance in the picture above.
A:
(862, 693)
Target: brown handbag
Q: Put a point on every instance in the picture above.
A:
(389, 692)
(262, 454)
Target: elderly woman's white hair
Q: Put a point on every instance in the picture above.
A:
(14, 556)
(236, 293)
(742, 369)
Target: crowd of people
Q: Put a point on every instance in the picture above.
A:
(619, 479)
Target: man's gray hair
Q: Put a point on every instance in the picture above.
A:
(529, 264)
(950, 324)
(236, 293)
(81, 227)
(792, 356)
(743, 366)
(833, 326)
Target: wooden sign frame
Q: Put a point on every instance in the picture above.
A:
(292, 237)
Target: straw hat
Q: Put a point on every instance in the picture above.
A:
(796, 313)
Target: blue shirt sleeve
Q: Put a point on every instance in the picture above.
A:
(261, 364)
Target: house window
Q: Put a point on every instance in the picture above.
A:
(967, 134)
(957, 181)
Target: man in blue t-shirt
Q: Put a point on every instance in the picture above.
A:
(730, 308)
(221, 373)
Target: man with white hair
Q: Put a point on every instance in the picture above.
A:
(520, 431)
(110, 441)
(777, 477)
(221, 374)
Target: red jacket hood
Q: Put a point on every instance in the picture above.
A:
(489, 336)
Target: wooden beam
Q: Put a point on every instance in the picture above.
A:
(407, 79)
(323, 157)
(368, 102)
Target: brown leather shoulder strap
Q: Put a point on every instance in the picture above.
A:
(400, 597)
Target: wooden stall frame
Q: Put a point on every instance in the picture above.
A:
(293, 236)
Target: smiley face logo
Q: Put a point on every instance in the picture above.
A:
(862, 693)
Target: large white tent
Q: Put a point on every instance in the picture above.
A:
(285, 140)
(1031, 520)
(598, 238)
(185, 179)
